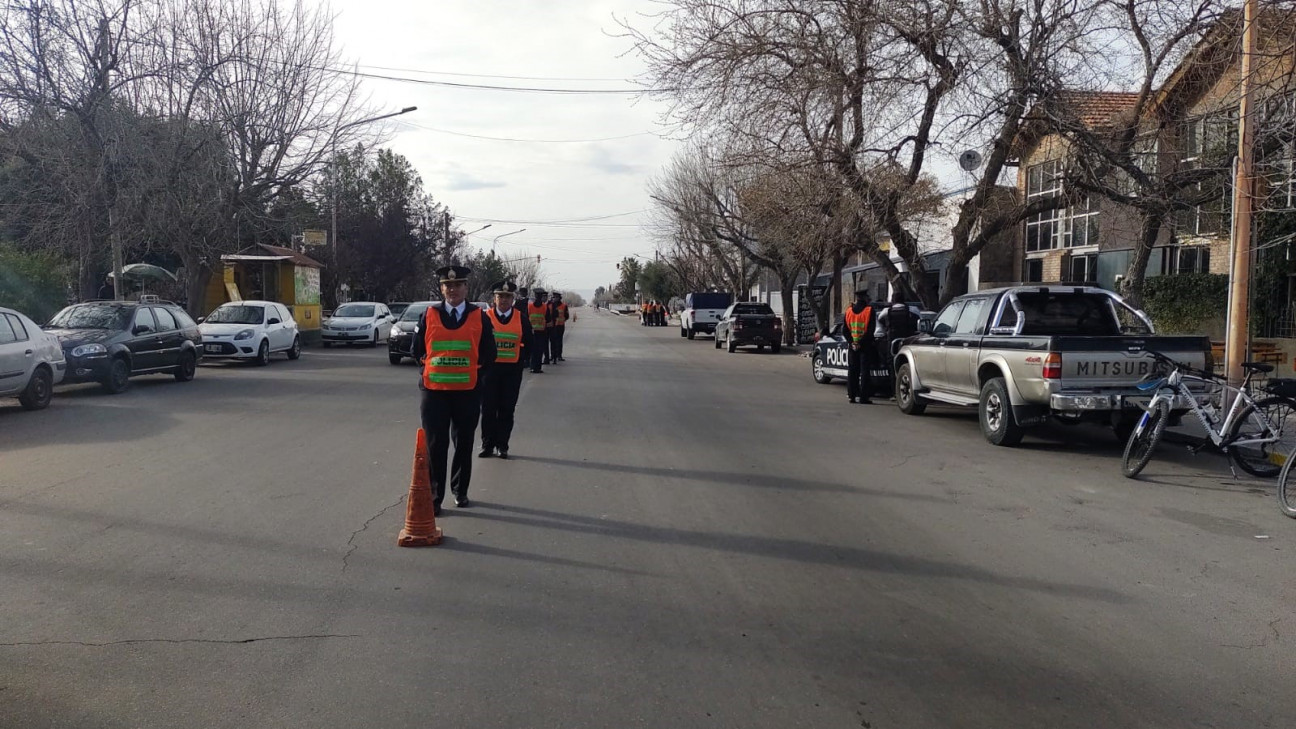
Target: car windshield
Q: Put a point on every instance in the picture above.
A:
(237, 315)
(413, 312)
(93, 316)
(359, 311)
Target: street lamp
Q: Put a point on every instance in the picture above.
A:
(496, 240)
(333, 168)
(484, 227)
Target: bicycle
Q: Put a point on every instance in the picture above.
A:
(1248, 432)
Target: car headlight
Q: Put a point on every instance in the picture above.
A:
(88, 349)
(245, 334)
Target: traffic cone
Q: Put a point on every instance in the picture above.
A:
(420, 523)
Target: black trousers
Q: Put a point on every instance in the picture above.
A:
(556, 342)
(541, 350)
(450, 416)
(859, 371)
(500, 388)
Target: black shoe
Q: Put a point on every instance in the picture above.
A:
(462, 502)
(503, 453)
(486, 453)
(852, 400)
(537, 372)
(865, 401)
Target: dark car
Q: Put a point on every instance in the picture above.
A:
(398, 307)
(400, 344)
(111, 341)
(745, 324)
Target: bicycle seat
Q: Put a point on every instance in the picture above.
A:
(1258, 367)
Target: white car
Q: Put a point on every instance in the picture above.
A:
(359, 321)
(31, 361)
(250, 330)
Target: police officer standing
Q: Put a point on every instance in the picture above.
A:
(503, 382)
(538, 313)
(859, 333)
(456, 343)
(558, 328)
(896, 322)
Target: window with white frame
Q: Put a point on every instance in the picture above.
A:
(1082, 269)
(1185, 259)
(1276, 151)
(1207, 141)
(1065, 227)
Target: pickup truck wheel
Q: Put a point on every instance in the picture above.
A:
(997, 421)
(717, 340)
(729, 344)
(817, 367)
(776, 348)
(690, 333)
(906, 399)
(683, 332)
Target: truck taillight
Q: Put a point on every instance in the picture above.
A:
(1053, 366)
(778, 324)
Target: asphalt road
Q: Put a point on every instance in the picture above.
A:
(685, 538)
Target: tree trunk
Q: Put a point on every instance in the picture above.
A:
(1149, 231)
(786, 284)
(956, 277)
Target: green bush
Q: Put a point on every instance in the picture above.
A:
(1180, 304)
(32, 282)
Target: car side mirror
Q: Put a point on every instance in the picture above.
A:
(274, 321)
(201, 319)
(925, 326)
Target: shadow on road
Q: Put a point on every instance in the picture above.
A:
(789, 549)
(740, 479)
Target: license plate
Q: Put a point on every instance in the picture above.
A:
(214, 348)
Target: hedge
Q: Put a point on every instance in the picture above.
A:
(1180, 304)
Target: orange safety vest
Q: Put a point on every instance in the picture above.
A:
(536, 313)
(451, 361)
(560, 315)
(860, 324)
(508, 337)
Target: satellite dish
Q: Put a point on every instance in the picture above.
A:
(970, 160)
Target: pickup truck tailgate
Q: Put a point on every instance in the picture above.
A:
(1105, 363)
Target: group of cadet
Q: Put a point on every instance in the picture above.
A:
(653, 314)
(872, 339)
(473, 361)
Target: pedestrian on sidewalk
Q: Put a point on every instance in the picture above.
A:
(455, 343)
(502, 383)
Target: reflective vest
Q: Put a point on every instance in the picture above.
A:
(536, 313)
(560, 315)
(860, 324)
(451, 361)
(508, 337)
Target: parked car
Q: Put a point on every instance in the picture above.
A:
(31, 361)
(111, 341)
(702, 311)
(400, 344)
(832, 353)
(358, 321)
(398, 307)
(745, 324)
(1023, 354)
(250, 330)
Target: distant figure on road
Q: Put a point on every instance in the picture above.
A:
(538, 312)
(503, 382)
(456, 343)
(859, 362)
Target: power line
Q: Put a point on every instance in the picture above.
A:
(490, 87)
(529, 141)
(487, 75)
(553, 220)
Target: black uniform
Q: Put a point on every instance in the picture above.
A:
(859, 361)
(541, 339)
(558, 328)
(452, 415)
(500, 388)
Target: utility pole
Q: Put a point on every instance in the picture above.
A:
(445, 232)
(1235, 345)
(103, 111)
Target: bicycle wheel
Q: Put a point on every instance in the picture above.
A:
(1264, 459)
(1286, 498)
(1144, 439)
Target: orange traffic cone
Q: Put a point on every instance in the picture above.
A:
(420, 523)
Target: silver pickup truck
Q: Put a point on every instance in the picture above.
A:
(1024, 354)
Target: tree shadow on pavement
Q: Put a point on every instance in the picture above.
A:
(796, 550)
(739, 479)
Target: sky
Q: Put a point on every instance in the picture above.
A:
(582, 203)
